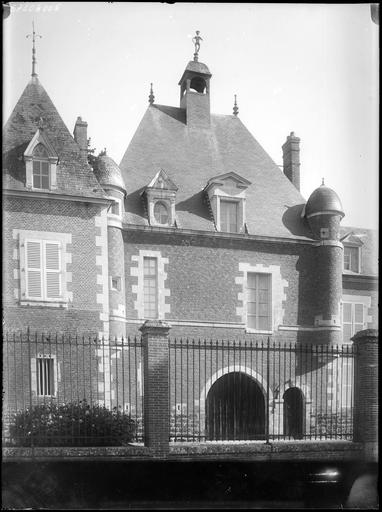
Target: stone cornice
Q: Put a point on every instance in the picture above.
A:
(30, 194)
(215, 234)
(360, 281)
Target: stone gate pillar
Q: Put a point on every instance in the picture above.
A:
(156, 386)
(366, 392)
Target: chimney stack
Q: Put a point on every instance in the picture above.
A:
(80, 134)
(291, 159)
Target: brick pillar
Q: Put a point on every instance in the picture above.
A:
(156, 386)
(366, 391)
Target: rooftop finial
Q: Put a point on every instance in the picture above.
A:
(33, 36)
(323, 182)
(196, 40)
(235, 108)
(151, 96)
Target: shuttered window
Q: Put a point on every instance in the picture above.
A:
(259, 301)
(43, 270)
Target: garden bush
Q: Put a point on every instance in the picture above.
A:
(72, 424)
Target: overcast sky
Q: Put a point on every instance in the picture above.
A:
(307, 68)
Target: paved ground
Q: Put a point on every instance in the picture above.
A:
(121, 485)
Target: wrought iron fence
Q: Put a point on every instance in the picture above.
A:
(71, 391)
(251, 390)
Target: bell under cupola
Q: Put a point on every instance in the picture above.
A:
(195, 90)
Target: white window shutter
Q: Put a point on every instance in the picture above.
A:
(52, 270)
(33, 269)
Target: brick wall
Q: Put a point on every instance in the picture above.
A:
(78, 219)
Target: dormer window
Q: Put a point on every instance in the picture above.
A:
(159, 196)
(229, 216)
(351, 259)
(161, 214)
(40, 167)
(226, 195)
(40, 163)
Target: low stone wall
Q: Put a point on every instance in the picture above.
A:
(210, 451)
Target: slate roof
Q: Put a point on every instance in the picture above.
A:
(74, 176)
(108, 173)
(192, 156)
(323, 199)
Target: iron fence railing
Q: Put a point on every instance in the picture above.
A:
(71, 391)
(251, 390)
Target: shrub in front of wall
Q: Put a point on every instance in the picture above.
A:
(72, 424)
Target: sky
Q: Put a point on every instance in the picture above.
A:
(307, 68)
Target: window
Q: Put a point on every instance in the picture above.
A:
(351, 259)
(228, 216)
(259, 301)
(40, 167)
(161, 213)
(43, 270)
(150, 287)
(116, 283)
(115, 208)
(352, 319)
(45, 376)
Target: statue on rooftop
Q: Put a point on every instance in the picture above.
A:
(196, 40)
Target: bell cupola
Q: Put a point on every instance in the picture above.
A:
(195, 90)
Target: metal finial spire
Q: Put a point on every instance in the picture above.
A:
(151, 96)
(235, 108)
(33, 36)
(196, 40)
(323, 182)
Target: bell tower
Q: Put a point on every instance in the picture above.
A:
(195, 90)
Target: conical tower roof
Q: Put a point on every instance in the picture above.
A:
(35, 109)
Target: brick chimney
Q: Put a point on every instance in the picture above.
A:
(80, 135)
(291, 159)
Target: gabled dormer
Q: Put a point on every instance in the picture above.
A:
(40, 163)
(160, 195)
(352, 258)
(226, 195)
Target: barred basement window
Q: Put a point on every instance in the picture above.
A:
(150, 287)
(45, 376)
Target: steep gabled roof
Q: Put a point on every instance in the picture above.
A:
(74, 175)
(193, 156)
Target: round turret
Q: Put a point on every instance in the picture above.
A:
(108, 173)
(324, 213)
(323, 200)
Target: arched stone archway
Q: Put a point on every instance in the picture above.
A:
(235, 409)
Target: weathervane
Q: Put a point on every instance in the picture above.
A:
(33, 36)
(196, 40)
(235, 107)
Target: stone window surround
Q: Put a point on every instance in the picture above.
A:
(56, 374)
(137, 289)
(66, 259)
(39, 138)
(167, 197)
(278, 295)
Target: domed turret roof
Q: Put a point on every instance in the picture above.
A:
(108, 173)
(323, 199)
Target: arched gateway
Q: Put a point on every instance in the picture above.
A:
(235, 409)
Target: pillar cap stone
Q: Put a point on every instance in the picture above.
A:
(369, 334)
(154, 325)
